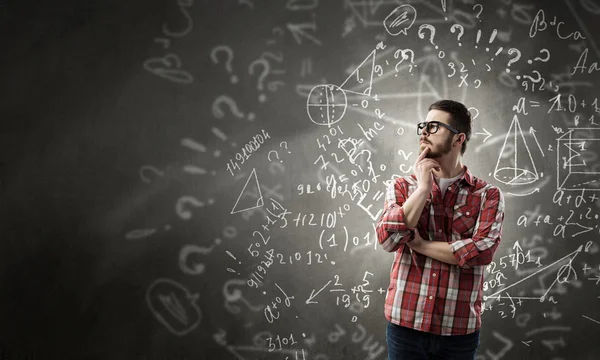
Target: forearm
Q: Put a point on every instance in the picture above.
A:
(438, 250)
(413, 207)
(400, 216)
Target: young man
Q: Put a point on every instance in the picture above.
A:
(443, 225)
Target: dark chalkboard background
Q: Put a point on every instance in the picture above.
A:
(126, 236)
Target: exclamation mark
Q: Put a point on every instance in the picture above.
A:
(478, 37)
(221, 135)
(498, 52)
(196, 146)
(195, 170)
(492, 37)
(444, 8)
(192, 144)
(239, 262)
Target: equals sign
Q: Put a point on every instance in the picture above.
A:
(534, 103)
(378, 196)
(306, 67)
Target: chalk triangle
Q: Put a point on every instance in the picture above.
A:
(251, 190)
(360, 80)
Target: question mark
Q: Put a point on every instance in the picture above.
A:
(460, 33)
(185, 251)
(286, 145)
(539, 58)
(227, 50)
(276, 153)
(422, 34)
(480, 11)
(513, 60)
(151, 169)
(262, 76)
(537, 80)
(405, 56)
(182, 202)
(236, 295)
(470, 111)
(224, 99)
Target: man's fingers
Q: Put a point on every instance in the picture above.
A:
(429, 163)
(423, 154)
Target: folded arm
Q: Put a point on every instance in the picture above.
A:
(480, 248)
(477, 250)
(400, 216)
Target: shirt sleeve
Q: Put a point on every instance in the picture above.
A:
(479, 250)
(391, 229)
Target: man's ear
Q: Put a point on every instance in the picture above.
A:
(460, 139)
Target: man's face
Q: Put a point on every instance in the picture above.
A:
(439, 143)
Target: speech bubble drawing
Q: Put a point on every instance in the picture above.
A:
(174, 306)
(400, 20)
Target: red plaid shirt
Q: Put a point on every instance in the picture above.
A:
(426, 294)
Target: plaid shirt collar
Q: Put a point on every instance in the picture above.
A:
(467, 176)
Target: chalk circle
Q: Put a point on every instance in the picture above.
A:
(326, 104)
(515, 176)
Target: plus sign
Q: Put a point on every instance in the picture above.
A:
(585, 268)
(381, 291)
(560, 218)
(582, 103)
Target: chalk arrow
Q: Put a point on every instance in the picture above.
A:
(484, 133)
(298, 32)
(532, 131)
(313, 294)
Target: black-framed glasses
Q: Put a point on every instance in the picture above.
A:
(433, 126)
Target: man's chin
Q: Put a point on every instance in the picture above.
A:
(432, 155)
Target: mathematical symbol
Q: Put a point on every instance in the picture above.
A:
(586, 268)
(378, 195)
(306, 68)
(597, 278)
(463, 80)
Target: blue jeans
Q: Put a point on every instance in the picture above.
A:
(409, 344)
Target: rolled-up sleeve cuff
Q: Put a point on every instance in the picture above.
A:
(393, 220)
(464, 251)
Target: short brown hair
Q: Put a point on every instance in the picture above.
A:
(460, 118)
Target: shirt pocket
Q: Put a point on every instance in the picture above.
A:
(464, 220)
